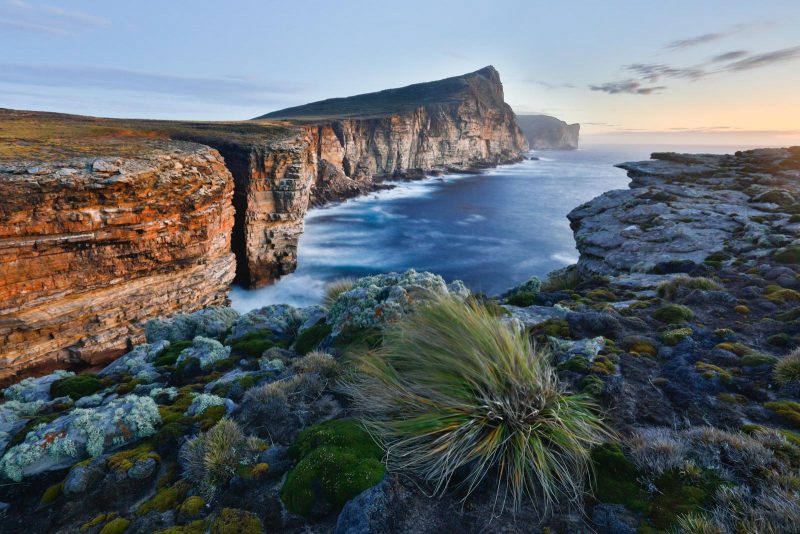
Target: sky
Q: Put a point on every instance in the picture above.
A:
(693, 71)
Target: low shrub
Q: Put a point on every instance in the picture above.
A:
(213, 458)
(670, 289)
(787, 370)
(673, 314)
(454, 395)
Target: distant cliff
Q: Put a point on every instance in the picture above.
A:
(549, 133)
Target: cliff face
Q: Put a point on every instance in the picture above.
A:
(549, 133)
(89, 248)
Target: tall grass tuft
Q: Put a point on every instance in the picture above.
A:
(336, 288)
(455, 396)
(788, 369)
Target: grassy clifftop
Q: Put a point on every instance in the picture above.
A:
(483, 84)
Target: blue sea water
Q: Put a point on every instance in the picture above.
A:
(492, 230)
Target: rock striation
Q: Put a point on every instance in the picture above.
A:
(544, 132)
(92, 247)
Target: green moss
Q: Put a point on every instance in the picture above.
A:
(673, 314)
(781, 295)
(732, 398)
(552, 328)
(310, 338)
(677, 496)
(192, 506)
(602, 294)
(124, 460)
(616, 478)
(52, 493)
(168, 435)
(254, 343)
(97, 520)
(789, 316)
(523, 299)
(170, 355)
(165, 499)
(576, 364)
(786, 410)
(754, 359)
(195, 527)
(352, 336)
(643, 348)
(788, 255)
(115, 526)
(780, 340)
(673, 337)
(75, 387)
(591, 385)
(711, 371)
(211, 416)
(337, 461)
(603, 366)
(741, 309)
(235, 521)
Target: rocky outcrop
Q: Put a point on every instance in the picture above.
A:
(549, 133)
(683, 209)
(90, 248)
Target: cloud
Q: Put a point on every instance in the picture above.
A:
(698, 40)
(729, 56)
(550, 86)
(652, 72)
(730, 62)
(630, 86)
(24, 16)
(207, 89)
(763, 60)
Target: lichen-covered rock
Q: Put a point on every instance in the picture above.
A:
(12, 418)
(208, 322)
(281, 320)
(34, 389)
(137, 361)
(205, 350)
(203, 401)
(384, 298)
(81, 433)
(366, 513)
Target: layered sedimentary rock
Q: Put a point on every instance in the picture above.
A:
(90, 248)
(549, 133)
(683, 209)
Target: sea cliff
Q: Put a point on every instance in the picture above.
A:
(549, 133)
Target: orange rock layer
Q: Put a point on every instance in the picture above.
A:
(91, 248)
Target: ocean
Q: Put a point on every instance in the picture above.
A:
(492, 230)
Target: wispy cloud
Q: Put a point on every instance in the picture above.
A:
(550, 86)
(728, 62)
(207, 89)
(762, 60)
(729, 56)
(21, 15)
(712, 37)
(630, 86)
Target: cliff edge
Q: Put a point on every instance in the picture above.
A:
(544, 132)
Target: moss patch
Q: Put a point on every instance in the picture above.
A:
(75, 387)
(673, 314)
(615, 478)
(170, 355)
(310, 338)
(235, 521)
(788, 255)
(52, 493)
(254, 343)
(673, 337)
(337, 460)
(115, 526)
(786, 410)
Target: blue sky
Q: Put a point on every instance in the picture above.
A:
(618, 67)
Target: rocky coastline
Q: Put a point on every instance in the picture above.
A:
(81, 274)
(680, 321)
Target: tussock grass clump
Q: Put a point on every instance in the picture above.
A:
(788, 369)
(454, 395)
(671, 289)
(336, 288)
(212, 459)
